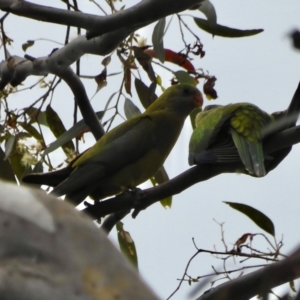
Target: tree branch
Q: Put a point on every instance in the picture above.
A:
(279, 144)
(140, 200)
(49, 14)
(51, 251)
(257, 282)
(141, 14)
(82, 100)
(17, 69)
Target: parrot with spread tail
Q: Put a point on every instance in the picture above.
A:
(127, 155)
(230, 133)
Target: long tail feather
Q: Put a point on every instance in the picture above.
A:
(51, 178)
(251, 154)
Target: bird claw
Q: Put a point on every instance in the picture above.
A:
(132, 191)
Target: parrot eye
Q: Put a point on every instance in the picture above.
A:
(186, 91)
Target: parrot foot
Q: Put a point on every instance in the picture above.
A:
(132, 191)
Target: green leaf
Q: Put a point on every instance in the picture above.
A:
(130, 109)
(17, 165)
(31, 130)
(225, 31)
(9, 145)
(15, 158)
(57, 127)
(127, 245)
(6, 171)
(157, 39)
(36, 115)
(207, 8)
(184, 77)
(160, 177)
(69, 134)
(146, 94)
(255, 215)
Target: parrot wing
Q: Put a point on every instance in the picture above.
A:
(205, 144)
(251, 153)
(246, 129)
(118, 148)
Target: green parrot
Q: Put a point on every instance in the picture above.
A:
(230, 133)
(127, 155)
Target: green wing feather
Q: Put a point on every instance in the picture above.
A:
(230, 133)
(132, 152)
(208, 125)
(247, 124)
(109, 155)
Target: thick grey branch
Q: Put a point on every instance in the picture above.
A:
(141, 14)
(17, 69)
(49, 14)
(51, 251)
(81, 98)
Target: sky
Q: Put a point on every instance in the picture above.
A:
(263, 70)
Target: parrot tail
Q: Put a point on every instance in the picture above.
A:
(76, 196)
(51, 178)
(251, 154)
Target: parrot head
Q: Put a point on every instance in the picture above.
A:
(182, 98)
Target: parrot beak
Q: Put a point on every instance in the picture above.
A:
(198, 100)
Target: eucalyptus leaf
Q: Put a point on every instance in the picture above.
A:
(9, 145)
(17, 165)
(69, 134)
(31, 130)
(36, 115)
(255, 215)
(157, 39)
(127, 244)
(207, 8)
(184, 77)
(146, 94)
(130, 109)
(161, 176)
(57, 127)
(6, 171)
(225, 31)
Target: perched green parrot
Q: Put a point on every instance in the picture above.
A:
(230, 133)
(127, 155)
